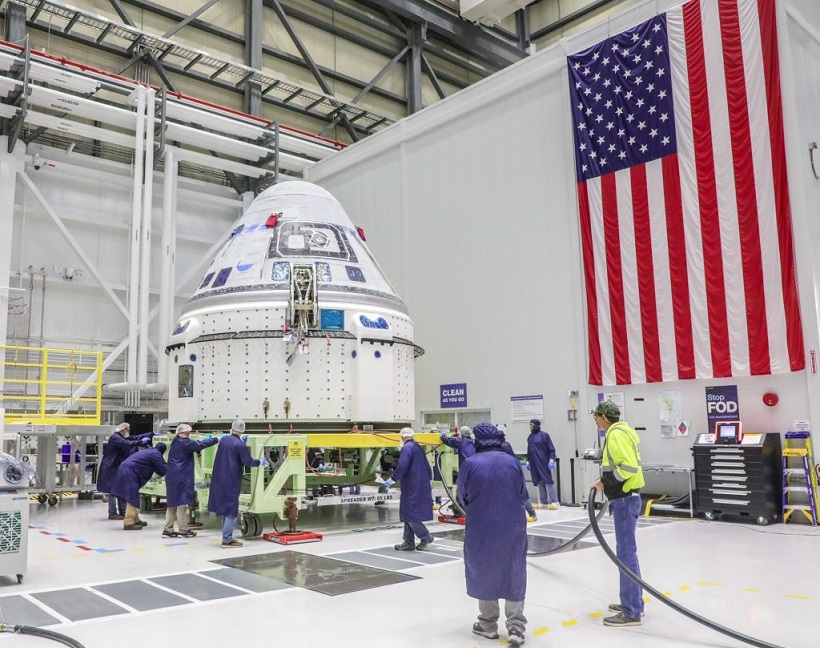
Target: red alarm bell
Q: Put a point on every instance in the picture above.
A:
(770, 399)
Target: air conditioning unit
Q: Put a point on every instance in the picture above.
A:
(489, 11)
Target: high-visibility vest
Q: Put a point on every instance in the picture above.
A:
(622, 457)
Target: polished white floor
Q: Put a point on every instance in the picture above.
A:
(762, 581)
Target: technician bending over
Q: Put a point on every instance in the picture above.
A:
(133, 474)
(621, 479)
(115, 451)
(226, 480)
(491, 487)
(416, 504)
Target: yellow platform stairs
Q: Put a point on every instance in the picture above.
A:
(799, 477)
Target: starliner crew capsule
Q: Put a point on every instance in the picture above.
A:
(294, 321)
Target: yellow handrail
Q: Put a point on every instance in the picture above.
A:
(41, 386)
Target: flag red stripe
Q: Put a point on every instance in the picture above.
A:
(745, 189)
(771, 70)
(646, 275)
(678, 269)
(615, 281)
(595, 377)
(707, 193)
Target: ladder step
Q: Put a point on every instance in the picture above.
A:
(795, 452)
(796, 489)
(797, 507)
(795, 471)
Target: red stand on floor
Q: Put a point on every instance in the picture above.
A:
(453, 519)
(292, 538)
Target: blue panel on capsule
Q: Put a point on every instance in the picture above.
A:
(207, 279)
(355, 274)
(222, 277)
(333, 320)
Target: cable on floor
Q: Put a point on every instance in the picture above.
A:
(657, 594)
(40, 632)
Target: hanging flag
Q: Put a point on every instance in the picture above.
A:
(683, 198)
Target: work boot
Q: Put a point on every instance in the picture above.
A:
(404, 547)
(516, 637)
(620, 620)
(424, 543)
(617, 607)
(132, 527)
(233, 544)
(141, 523)
(187, 534)
(169, 534)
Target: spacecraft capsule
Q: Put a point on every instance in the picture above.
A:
(294, 309)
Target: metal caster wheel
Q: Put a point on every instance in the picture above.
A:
(52, 500)
(251, 525)
(42, 498)
(105, 497)
(710, 515)
(762, 521)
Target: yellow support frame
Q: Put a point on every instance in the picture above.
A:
(45, 398)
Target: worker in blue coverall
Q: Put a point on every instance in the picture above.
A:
(462, 444)
(118, 446)
(416, 504)
(491, 486)
(540, 463)
(506, 446)
(226, 480)
(179, 480)
(133, 474)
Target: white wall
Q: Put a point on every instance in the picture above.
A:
(470, 206)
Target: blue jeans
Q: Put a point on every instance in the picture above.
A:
(228, 525)
(116, 505)
(414, 528)
(625, 511)
(547, 493)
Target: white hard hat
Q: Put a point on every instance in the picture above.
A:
(406, 433)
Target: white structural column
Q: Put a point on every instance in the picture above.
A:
(168, 280)
(145, 236)
(10, 164)
(136, 216)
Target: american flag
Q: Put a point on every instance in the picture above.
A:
(683, 198)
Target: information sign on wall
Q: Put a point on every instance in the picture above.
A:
(454, 395)
(721, 405)
(526, 408)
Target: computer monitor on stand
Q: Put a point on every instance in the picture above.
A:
(729, 432)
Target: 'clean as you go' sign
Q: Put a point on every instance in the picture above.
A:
(453, 395)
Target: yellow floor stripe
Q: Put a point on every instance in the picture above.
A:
(708, 584)
(667, 593)
(540, 631)
(754, 590)
(569, 623)
(685, 588)
(596, 615)
(799, 597)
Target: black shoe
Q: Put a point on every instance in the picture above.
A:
(187, 534)
(489, 634)
(424, 543)
(621, 621)
(141, 523)
(404, 547)
(516, 637)
(132, 527)
(169, 534)
(617, 607)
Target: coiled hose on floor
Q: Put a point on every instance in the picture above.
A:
(593, 521)
(532, 554)
(40, 632)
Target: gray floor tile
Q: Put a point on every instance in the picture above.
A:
(78, 604)
(425, 557)
(379, 562)
(20, 611)
(246, 580)
(140, 595)
(196, 587)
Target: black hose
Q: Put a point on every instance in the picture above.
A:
(663, 599)
(534, 554)
(40, 632)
